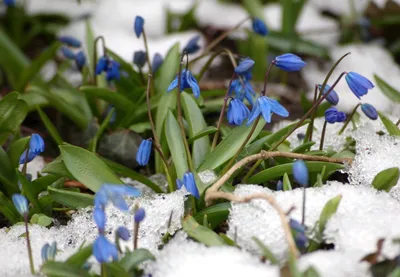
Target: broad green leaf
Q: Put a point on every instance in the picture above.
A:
(16, 149)
(266, 253)
(303, 147)
(279, 170)
(133, 259)
(258, 50)
(176, 145)
(71, 199)
(328, 211)
(40, 184)
(8, 210)
(115, 269)
(291, 9)
(194, 117)
(57, 167)
(119, 101)
(254, 8)
(227, 148)
(62, 269)
(87, 168)
(386, 179)
(387, 89)
(8, 178)
(41, 219)
(93, 144)
(205, 132)
(79, 258)
(201, 233)
(392, 129)
(33, 69)
(286, 182)
(89, 38)
(12, 112)
(49, 126)
(28, 189)
(215, 214)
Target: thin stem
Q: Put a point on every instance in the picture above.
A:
(95, 55)
(221, 115)
(180, 117)
(104, 270)
(251, 171)
(398, 122)
(310, 128)
(308, 113)
(303, 214)
(146, 46)
(28, 244)
(349, 119)
(321, 143)
(26, 157)
(136, 235)
(262, 93)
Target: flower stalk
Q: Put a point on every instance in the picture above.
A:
(321, 143)
(99, 38)
(349, 119)
(28, 245)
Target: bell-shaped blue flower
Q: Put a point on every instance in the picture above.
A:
(21, 204)
(70, 41)
(104, 251)
(259, 26)
(9, 3)
(102, 65)
(369, 111)
(80, 59)
(289, 62)
(301, 240)
(36, 146)
(332, 97)
(296, 226)
(67, 53)
(115, 194)
(139, 58)
(358, 84)
(49, 251)
(139, 22)
(245, 66)
(190, 184)
(99, 217)
(192, 46)
(266, 106)
(157, 62)
(139, 215)
(332, 115)
(237, 112)
(187, 81)
(123, 233)
(300, 172)
(144, 151)
(243, 88)
(113, 71)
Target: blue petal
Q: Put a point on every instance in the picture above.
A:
(255, 112)
(179, 184)
(369, 111)
(277, 108)
(99, 218)
(192, 46)
(265, 107)
(300, 172)
(190, 184)
(173, 85)
(70, 41)
(139, 58)
(244, 66)
(139, 215)
(139, 22)
(157, 62)
(355, 88)
(123, 233)
(259, 27)
(193, 84)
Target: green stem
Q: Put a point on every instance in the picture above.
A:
(310, 128)
(303, 214)
(398, 122)
(221, 114)
(28, 244)
(349, 119)
(146, 46)
(103, 126)
(251, 171)
(211, 59)
(321, 143)
(95, 56)
(104, 270)
(136, 235)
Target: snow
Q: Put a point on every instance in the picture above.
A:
(34, 166)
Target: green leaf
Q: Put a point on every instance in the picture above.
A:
(311, 272)
(41, 183)
(176, 145)
(328, 211)
(62, 269)
(89, 38)
(201, 233)
(303, 147)
(57, 167)
(16, 149)
(131, 260)
(115, 269)
(266, 253)
(87, 168)
(254, 8)
(386, 179)
(71, 199)
(194, 117)
(8, 210)
(392, 129)
(215, 214)
(227, 148)
(205, 132)
(119, 101)
(8, 178)
(41, 219)
(290, 13)
(49, 126)
(28, 189)
(33, 69)
(279, 170)
(387, 89)
(12, 112)
(79, 258)
(286, 182)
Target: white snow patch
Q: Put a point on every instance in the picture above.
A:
(34, 167)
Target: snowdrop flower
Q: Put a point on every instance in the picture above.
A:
(289, 62)
(139, 22)
(187, 81)
(369, 111)
(266, 106)
(332, 115)
(192, 46)
(237, 112)
(244, 66)
(358, 84)
(332, 97)
(300, 172)
(259, 26)
(104, 251)
(70, 41)
(36, 146)
(144, 151)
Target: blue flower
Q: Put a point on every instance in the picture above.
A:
(36, 146)
(289, 62)
(99, 217)
(49, 251)
(80, 59)
(67, 53)
(332, 97)
(300, 172)
(243, 89)
(332, 115)
(179, 184)
(237, 112)
(104, 251)
(21, 204)
(157, 62)
(266, 106)
(301, 240)
(113, 71)
(102, 65)
(144, 151)
(279, 185)
(190, 184)
(192, 46)
(116, 194)
(139, 22)
(358, 84)
(123, 233)
(259, 26)
(139, 215)
(70, 41)
(369, 111)
(139, 58)
(296, 226)
(245, 66)
(9, 3)
(187, 81)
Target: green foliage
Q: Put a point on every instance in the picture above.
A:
(387, 89)
(201, 233)
(392, 128)
(386, 179)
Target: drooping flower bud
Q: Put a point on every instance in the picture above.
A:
(139, 215)
(244, 66)
(139, 22)
(300, 172)
(369, 111)
(289, 62)
(259, 26)
(358, 84)
(144, 151)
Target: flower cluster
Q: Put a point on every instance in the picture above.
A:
(71, 44)
(332, 115)
(111, 67)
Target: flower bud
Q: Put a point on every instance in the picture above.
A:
(300, 172)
